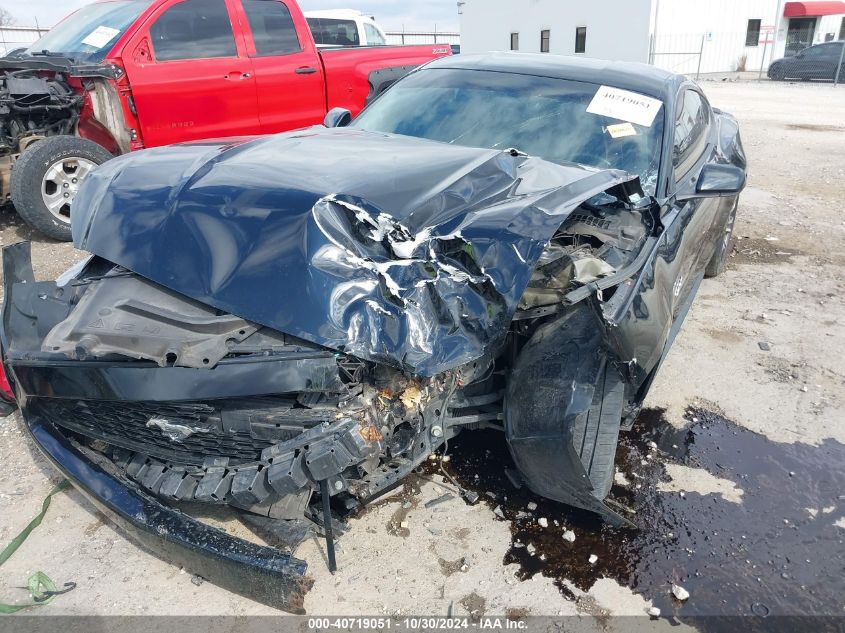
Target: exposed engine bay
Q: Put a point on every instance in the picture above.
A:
(601, 237)
(33, 106)
(47, 97)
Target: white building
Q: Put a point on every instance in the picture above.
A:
(686, 36)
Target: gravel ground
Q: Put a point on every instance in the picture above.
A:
(784, 286)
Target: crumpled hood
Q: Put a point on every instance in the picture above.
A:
(394, 249)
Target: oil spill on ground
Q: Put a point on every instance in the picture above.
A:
(406, 500)
(764, 556)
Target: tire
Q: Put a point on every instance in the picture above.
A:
(716, 265)
(51, 171)
(595, 435)
(563, 407)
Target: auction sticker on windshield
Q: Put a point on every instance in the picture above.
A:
(624, 105)
(100, 36)
(621, 130)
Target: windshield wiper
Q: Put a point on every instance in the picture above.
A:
(46, 53)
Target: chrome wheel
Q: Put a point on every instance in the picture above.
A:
(60, 184)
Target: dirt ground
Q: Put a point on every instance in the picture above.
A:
(784, 288)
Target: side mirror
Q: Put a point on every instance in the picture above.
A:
(337, 117)
(720, 180)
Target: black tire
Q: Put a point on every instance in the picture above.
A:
(777, 74)
(59, 155)
(595, 435)
(719, 261)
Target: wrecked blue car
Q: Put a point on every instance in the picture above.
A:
(291, 324)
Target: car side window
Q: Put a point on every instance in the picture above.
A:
(831, 51)
(374, 38)
(193, 29)
(822, 51)
(272, 27)
(692, 120)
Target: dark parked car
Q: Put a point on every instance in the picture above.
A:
(507, 242)
(815, 62)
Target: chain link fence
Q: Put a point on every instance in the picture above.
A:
(423, 37)
(759, 57)
(16, 37)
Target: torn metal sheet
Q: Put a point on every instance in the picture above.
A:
(418, 263)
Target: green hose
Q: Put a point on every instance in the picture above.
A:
(41, 588)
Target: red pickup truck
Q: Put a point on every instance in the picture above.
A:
(122, 75)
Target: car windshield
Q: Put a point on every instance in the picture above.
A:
(540, 116)
(88, 34)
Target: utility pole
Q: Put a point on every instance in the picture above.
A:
(654, 31)
(777, 23)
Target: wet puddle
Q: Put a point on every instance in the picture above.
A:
(778, 551)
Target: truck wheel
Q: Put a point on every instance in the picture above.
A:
(717, 263)
(46, 177)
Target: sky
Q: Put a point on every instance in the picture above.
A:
(391, 14)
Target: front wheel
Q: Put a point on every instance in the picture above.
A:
(47, 176)
(719, 261)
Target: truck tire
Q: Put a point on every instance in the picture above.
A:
(719, 261)
(46, 177)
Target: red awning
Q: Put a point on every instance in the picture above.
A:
(800, 9)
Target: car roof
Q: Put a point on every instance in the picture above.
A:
(642, 78)
(342, 14)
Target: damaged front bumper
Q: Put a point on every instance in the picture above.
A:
(263, 432)
(260, 573)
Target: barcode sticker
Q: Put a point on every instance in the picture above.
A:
(624, 105)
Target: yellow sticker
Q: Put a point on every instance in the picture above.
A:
(621, 129)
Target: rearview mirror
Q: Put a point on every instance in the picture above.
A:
(720, 180)
(337, 117)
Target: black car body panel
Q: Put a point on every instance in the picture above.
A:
(268, 320)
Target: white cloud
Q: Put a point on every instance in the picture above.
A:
(391, 14)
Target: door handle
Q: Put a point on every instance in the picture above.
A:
(305, 70)
(236, 74)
